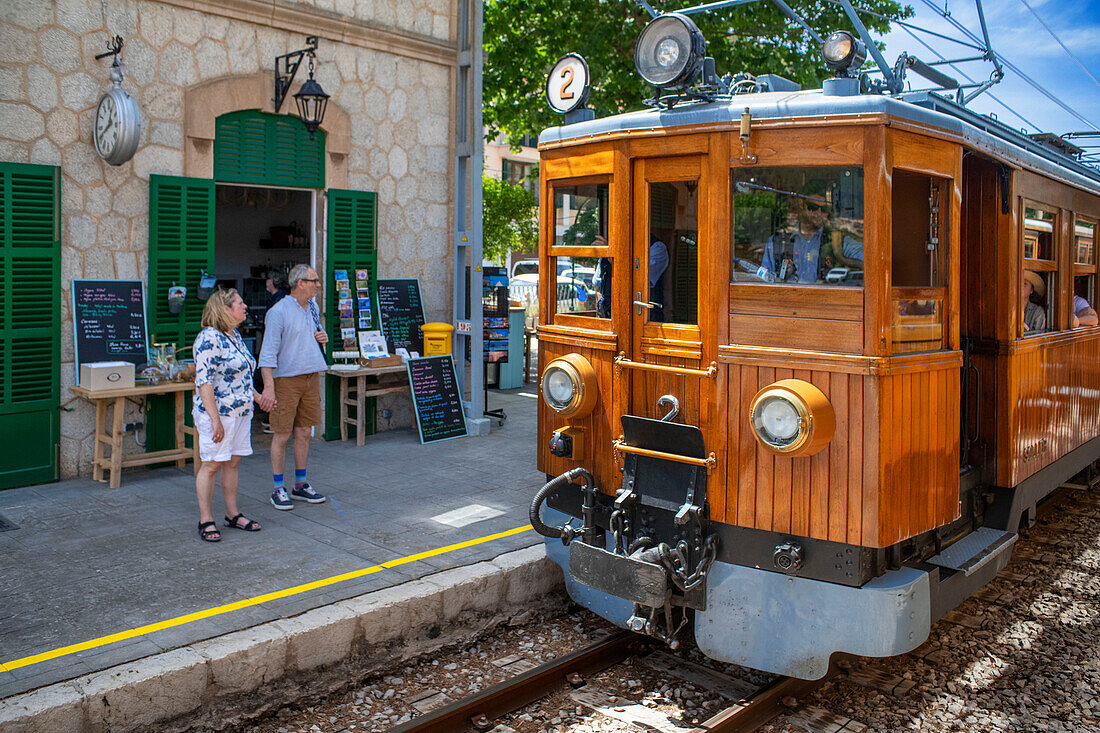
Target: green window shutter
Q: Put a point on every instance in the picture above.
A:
(30, 323)
(273, 150)
(352, 226)
(181, 246)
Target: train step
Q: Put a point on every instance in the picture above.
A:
(975, 550)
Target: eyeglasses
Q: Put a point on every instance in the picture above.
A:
(311, 280)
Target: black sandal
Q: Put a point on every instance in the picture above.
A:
(209, 535)
(252, 526)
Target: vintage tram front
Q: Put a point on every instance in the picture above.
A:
(751, 374)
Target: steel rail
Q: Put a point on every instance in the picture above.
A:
(765, 705)
(478, 710)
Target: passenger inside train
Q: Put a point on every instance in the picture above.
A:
(1034, 294)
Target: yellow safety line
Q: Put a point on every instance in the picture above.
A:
(226, 608)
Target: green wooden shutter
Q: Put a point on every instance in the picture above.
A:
(352, 226)
(274, 150)
(30, 324)
(181, 246)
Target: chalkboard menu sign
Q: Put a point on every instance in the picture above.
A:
(436, 398)
(402, 314)
(109, 321)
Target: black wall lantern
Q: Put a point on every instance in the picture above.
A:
(311, 98)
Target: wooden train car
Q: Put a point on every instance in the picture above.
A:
(833, 353)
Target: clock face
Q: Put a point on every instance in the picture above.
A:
(106, 126)
(116, 127)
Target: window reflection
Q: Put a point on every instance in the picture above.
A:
(673, 261)
(580, 215)
(1038, 234)
(582, 285)
(798, 226)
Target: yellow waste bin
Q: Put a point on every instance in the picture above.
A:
(437, 338)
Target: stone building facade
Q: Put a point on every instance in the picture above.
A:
(389, 66)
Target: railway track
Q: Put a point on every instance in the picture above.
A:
(748, 709)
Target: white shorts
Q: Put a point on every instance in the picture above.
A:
(237, 440)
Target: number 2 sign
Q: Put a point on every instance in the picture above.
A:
(567, 86)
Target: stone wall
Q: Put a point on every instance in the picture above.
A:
(390, 76)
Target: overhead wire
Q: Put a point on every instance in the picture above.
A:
(911, 27)
(1059, 40)
(966, 76)
(1038, 87)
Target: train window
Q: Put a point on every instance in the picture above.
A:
(918, 272)
(1038, 233)
(580, 215)
(582, 279)
(1084, 274)
(918, 206)
(1084, 252)
(583, 286)
(1039, 289)
(673, 263)
(798, 226)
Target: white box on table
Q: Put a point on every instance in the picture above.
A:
(99, 375)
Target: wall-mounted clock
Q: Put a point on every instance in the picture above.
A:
(117, 124)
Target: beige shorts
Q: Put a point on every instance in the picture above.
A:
(298, 403)
(237, 440)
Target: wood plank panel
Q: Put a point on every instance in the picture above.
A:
(872, 462)
(920, 454)
(809, 333)
(838, 461)
(803, 146)
(747, 447)
(803, 301)
(765, 469)
(1054, 382)
(800, 483)
(855, 459)
(781, 479)
(819, 471)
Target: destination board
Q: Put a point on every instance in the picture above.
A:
(109, 321)
(436, 397)
(402, 314)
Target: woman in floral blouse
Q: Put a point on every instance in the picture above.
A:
(223, 408)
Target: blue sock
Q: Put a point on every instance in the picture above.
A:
(299, 477)
(278, 477)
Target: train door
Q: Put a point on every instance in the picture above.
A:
(672, 332)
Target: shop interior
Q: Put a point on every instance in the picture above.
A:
(257, 231)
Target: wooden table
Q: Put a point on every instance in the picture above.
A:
(116, 398)
(391, 379)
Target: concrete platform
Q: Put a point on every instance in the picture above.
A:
(94, 578)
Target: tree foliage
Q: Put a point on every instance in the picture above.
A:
(524, 38)
(508, 219)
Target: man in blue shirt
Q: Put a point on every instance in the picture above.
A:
(291, 361)
(799, 253)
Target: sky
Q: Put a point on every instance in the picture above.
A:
(1018, 36)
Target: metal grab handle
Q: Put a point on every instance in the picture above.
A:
(622, 362)
(710, 462)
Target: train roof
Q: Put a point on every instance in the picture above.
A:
(927, 108)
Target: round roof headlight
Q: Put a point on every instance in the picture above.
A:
(842, 51)
(670, 51)
(792, 417)
(569, 386)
